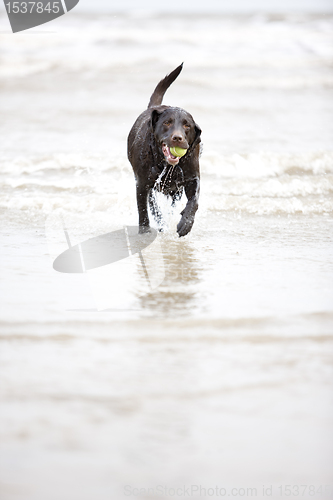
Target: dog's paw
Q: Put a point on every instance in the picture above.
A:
(184, 226)
(144, 229)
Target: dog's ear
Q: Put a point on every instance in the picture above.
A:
(197, 133)
(197, 138)
(154, 118)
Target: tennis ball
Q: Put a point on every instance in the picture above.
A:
(178, 151)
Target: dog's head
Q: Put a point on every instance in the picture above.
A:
(174, 127)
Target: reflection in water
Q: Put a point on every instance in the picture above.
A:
(178, 292)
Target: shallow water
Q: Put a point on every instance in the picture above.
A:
(217, 370)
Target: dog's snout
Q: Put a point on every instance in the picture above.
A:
(177, 137)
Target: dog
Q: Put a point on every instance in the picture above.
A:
(155, 131)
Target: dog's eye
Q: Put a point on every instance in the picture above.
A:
(186, 126)
(167, 123)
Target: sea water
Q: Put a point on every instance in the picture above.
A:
(219, 375)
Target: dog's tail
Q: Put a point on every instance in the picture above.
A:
(162, 87)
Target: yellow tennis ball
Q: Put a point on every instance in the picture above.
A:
(178, 152)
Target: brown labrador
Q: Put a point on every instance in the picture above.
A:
(155, 132)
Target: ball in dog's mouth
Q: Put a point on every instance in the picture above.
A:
(170, 158)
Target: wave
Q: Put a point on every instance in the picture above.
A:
(267, 164)
(262, 183)
(241, 51)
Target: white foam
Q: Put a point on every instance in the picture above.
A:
(106, 43)
(263, 183)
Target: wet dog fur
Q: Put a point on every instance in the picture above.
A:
(155, 131)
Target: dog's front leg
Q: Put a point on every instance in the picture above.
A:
(192, 189)
(142, 199)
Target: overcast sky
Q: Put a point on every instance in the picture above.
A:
(207, 5)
